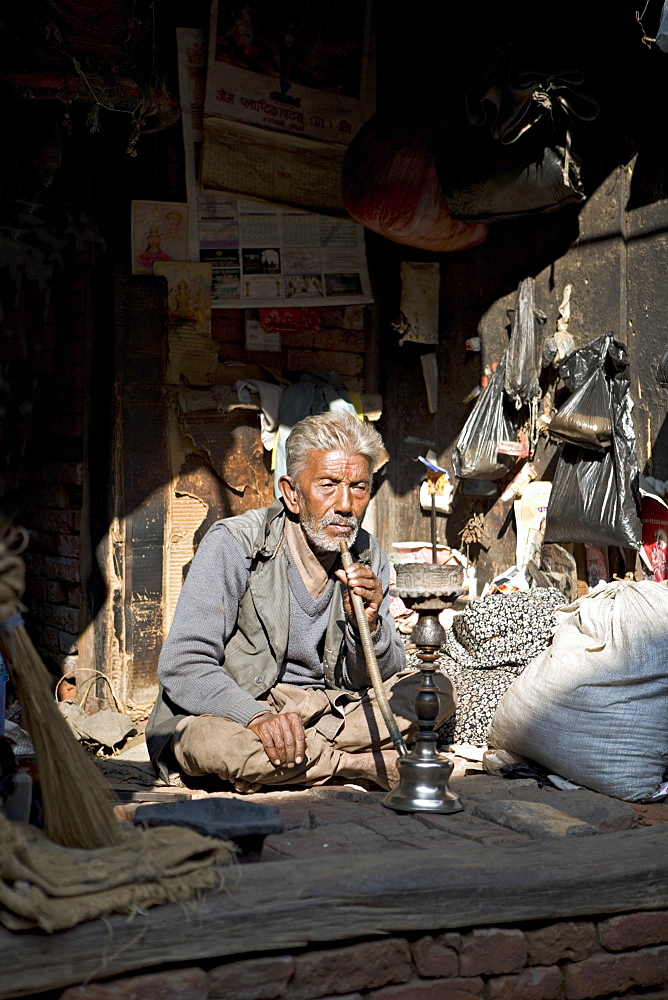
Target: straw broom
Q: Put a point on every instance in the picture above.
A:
(76, 799)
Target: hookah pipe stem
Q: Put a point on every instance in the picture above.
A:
(371, 661)
(434, 548)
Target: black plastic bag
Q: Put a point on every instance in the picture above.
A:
(594, 496)
(485, 181)
(585, 417)
(475, 455)
(512, 156)
(662, 370)
(525, 350)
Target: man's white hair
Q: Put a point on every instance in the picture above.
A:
(336, 430)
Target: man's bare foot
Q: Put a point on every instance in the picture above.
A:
(246, 787)
(379, 766)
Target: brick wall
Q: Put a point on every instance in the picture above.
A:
(42, 486)
(53, 483)
(618, 957)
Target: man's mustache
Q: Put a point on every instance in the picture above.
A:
(350, 521)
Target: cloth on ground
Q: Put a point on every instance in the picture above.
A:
(478, 694)
(51, 887)
(504, 630)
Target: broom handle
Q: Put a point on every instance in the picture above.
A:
(370, 657)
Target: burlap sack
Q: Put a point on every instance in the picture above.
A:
(45, 885)
(593, 707)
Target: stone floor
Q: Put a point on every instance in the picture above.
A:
(338, 819)
(345, 868)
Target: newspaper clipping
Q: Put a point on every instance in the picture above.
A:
(264, 254)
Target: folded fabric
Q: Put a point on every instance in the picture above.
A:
(51, 887)
(504, 630)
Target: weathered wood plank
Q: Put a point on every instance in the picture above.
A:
(289, 904)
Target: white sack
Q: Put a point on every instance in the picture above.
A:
(593, 707)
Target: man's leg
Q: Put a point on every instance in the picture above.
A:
(362, 748)
(208, 744)
(364, 741)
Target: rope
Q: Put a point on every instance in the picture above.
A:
(90, 681)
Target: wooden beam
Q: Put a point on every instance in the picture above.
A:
(289, 905)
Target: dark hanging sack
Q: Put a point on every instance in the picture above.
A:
(475, 454)
(662, 370)
(509, 153)
(594, 491)
(585, 417)
(525, 349)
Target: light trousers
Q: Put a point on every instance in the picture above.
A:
(337, 724)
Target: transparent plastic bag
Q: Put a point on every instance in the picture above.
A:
(475, 454)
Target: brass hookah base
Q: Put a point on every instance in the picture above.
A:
(424, 773)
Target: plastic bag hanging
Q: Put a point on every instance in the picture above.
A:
(585, 417)
(594, 493)
(475, 454)
(662, 369)
(525, 349)
(513, 154)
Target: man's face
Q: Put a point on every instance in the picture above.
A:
(330, 497)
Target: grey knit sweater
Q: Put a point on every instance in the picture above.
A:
(194, 652)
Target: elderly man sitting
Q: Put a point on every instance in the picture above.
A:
(263, 676)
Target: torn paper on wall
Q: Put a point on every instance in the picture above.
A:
(185, 515)
(192, 352)
(419, 303)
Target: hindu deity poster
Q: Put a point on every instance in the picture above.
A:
(159, 233)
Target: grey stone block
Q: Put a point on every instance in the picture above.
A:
(536, 819)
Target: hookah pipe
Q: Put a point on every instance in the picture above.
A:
(370, 657)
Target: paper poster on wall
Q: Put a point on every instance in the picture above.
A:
(285, 93)
(249, 162)
(192, 352)
(264, 255)
(655, 535)
(192, 77)
(308, 70)
(418, 318)
(596, 561)
(159, 231)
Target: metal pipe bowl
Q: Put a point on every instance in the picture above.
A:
(418, 582)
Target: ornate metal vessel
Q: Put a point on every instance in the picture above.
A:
(424, 772)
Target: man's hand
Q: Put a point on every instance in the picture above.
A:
(282, 737)
(364, 582)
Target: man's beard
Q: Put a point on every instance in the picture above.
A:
(320, 542)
